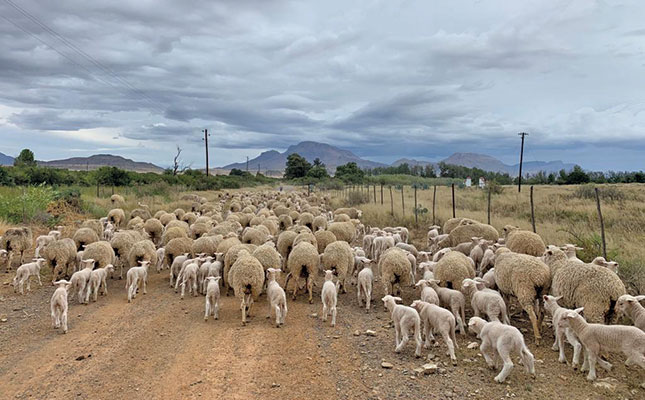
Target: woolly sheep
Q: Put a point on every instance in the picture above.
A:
(121, 244)
(177, 247)
(95, 225)
(303, 263)
(285, 243)
(305, 236)
(499, 340)
(552, 307)
(16, 241)
(268, 256)
(440, 320)
(116, 216)
(405, 319)
(254, 236)
(212, 297)
(229, 259)
(364, 287)
(453, 268)
(227, 243)
(101, 252)
(465, 233)
(206, 244)
(485, 300)
(143, 250)
(247, 279)
(41, 242)
(525, 277)
(598, 338)
(166, 218)
(179, 224)
(323, 239)
(452, 223)
(154, 229)
(276, 296)
(319, 223)
(58, 305)
(630, 306)
(24, 272)
(117, 200)
(395, 270)
(140, 213)
(98, 279)
(339, 259)
(524, 242)
(306, 219)
(285, 222)
(60, 256)
(135, 276)
(593, 287)
(345, 231)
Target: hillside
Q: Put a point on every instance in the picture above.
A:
(5, 159)
(330, 155)
(100, 160)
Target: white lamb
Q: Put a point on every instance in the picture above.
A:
(176, 267)
(98, 279)
(212, 297)
(428, 294)
(80, 279)
(277, 298)
(364, 287)
(134, 276)
(108, 231)
(329, 297)
(630, 306)
(598, 338)
(428, 269)
(202, 273)
(405, 319)
(488, 301)
(439, 320)
(570, 250)
(189, 278)
(498, 342)
(611, 265)
(44, 240)
(58, 305)
(24, 272)
(180, 277)
(454, 300)
(552, 307)
(161, 256)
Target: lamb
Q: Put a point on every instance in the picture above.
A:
(58, 305)
(405, 319)
(409, 248)
(524, 242)
(440, 320)
(485, 300)
(498, 342)
(303, 263)
(24, 272)
(630, 306)
(611, 265)
(98, 279)
(453, 300)
(108, 232)
(181, 277)
(134, 276)
(428, 294)
(381, 245)
(395, 270)
(80, 279)
(453, 268)
(212, 297)
(433, 232)
(590, 286)
(176, 265)
(161, 256)
(189, 278)
(560, 332)
(597, 338)
(487, 260)
(43, 241)
(329, 297)
(468, 246)
(525, 277)
(489, 279)
(101, 252)
(276, 296)
(338, 258)
(570, 250)
(364, 286)
(247, 278)
(478, 251)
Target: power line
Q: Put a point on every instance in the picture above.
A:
(84, 55)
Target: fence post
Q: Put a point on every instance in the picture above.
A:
(602, 225)
(381, 194)
(374, 186)
(434, 197)
(391, 201)
(416, 217)
(489, 192)
(532, 211)
(453, 201)
(402, 200)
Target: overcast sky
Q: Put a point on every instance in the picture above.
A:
(385, 79)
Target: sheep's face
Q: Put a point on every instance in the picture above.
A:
(476, 324)
(548, 299)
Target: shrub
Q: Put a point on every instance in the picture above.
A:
(608, 193)
(25, 207)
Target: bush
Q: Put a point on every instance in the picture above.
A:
(608, 193)
(25, 207)
(355, 198)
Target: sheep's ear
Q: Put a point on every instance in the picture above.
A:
(579, 310)
(545, 298)
(640, 297)
(558, 298)
(398, 299)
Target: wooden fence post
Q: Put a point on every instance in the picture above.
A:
(532, 211)
(602, 225)
(416, 217)
(434, 198)
(381, 194)
(489, 192)
(374, 187)
(391, 201)
(453, 201)
(402, 200)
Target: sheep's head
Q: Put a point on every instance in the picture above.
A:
(421, 284)
(626, 302)
(508, 229)
(62, 284)
(548, 299)
(109, 268)
(476, 324)
(553, 253)
(390, 301)
(469, 285)
(418, 305)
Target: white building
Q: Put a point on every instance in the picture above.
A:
(468, 182)
(482, 182)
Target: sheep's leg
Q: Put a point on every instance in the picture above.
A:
(636, 358)
(368, 299)
(508, 365)
(243, 306)
(404, 337)
(171, 277)
(87, 293)
(333, 315)
(310, 288)
(358, 292)
(485, 350)
(183, 289)
(216, 309)
(39, 281)
(105, 292)
(417, 338)
(536, 328)
(324, 312)
(278, 316)
(269, 310)
(54, 317)
(64, 320)
(397, 335)
(592, 365)
(559, 338)
(283, 314)
(207, 311)
(145, 283)
(451, 346)
(96, 291)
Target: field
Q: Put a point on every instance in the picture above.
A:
(160, 347)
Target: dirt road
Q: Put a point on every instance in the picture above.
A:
(159, 347)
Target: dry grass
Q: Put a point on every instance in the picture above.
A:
(563, 214)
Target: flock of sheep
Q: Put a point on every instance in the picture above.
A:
(255, 243)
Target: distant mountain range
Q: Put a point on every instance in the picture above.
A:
(330, 155)
(5, 159)
(101, 160)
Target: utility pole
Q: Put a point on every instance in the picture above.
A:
(247, 163)
(519, 178)
(206, 135)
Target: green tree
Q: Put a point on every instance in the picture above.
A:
(350, 173)
(25, 159)
(112, 176)
(297, 166)
(577, 176)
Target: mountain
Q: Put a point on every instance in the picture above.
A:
(5, 159)
(101, 160)
(488, 163)
(331, 156)
(411, 162)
